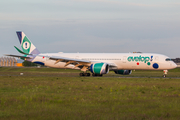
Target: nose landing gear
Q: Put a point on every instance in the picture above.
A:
(165, 73)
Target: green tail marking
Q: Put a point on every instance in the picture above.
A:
(26, 45)
(21, 51)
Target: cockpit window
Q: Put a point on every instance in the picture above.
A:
(168, 59)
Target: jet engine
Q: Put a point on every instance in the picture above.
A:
(123, 72)
(99, 68)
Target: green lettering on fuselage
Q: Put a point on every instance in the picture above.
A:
(138, 59)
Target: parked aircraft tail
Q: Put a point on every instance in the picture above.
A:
(26, 45)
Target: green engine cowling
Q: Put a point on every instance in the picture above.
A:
(123, 72)
(99, 68)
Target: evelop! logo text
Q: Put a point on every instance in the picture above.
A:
(139, 59)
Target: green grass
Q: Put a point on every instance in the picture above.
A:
(46, 93)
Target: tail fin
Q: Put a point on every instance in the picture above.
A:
(26, 44)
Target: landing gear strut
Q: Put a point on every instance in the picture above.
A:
(165, 73)
(84, 74)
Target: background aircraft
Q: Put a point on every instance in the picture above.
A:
(97, 63)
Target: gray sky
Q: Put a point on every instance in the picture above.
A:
(92, 25)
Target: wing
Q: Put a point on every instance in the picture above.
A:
(83, 64)
(76, 62)
(64, 59)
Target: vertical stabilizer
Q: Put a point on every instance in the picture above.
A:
(26, 44)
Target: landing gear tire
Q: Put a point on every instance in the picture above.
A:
(84, 74)
(164, 75)
(100, 75)
(87, 74)
(81, 74)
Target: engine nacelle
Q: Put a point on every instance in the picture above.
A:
(99, 68)
(123, 72)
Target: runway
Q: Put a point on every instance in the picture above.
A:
(67, 74)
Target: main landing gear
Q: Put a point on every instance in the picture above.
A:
(88, 74)
(100, 75)
(84, 74)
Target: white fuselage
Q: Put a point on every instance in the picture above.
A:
(118, 61)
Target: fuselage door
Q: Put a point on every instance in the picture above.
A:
(124, 59)
(156, 58)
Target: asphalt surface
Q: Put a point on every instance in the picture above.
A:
(76, 75)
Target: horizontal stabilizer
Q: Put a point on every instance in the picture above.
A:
(21, 51)
(18, 56)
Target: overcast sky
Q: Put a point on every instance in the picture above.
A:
(151, 26)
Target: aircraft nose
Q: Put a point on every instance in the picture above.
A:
(174, 65)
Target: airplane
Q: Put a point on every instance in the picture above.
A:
(97, 63)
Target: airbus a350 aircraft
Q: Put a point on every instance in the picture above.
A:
(97, 63)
